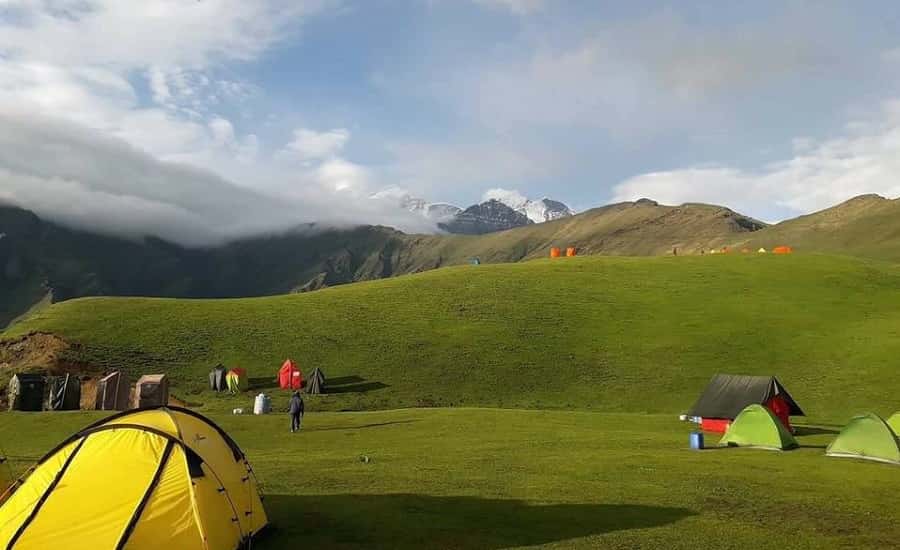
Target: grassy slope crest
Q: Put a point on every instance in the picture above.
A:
(599, 333)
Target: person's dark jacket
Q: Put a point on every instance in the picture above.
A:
(296, 404)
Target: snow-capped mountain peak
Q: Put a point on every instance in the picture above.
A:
(437, 212)
(538, 211)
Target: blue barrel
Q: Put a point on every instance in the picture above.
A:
(697, 440)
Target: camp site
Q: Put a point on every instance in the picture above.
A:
(421, 430)
(449, 275)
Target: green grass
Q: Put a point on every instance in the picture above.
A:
(491, 479)
(603, 334)
(627, 343)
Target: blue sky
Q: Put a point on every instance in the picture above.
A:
(306, 108)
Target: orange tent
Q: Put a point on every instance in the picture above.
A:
(290, 377)
(554, 252)
(570, 251)
(783, 250)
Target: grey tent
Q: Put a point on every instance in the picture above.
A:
(151, 390)
(26, 392)
(316, 382)
(65, 393)
(728, 394)
(113, 392)
(217, 381)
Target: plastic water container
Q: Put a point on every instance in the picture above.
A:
(697, 440)
(262, 404)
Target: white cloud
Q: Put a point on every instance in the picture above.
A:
(80, 145)
(629, 78)
(311, 145)
(821, 174)
(161, 32)
(158, 85)
(518, 7)
(426, 168)
(57, 59)
(511, 197)
(66, 172)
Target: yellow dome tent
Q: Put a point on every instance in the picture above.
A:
(142, 479)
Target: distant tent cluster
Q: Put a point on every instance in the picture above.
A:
(37, 392)
(289, 377)
(556, 252)
(779, 250)
(755, 411)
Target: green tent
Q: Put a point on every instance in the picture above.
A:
(894, 423)
(868, 437)
(756, 426)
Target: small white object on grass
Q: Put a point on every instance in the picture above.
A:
(364, 459)
(237, 411)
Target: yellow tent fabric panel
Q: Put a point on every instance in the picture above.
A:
(158, 419)
(234, 474)
(19, 505)
(169, 510)
(220, 524)
(93, 503)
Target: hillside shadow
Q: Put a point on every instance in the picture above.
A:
(814, 430)
(343, 380)
(363, 426)
(263, 383)
(406, 521)
(362, 387)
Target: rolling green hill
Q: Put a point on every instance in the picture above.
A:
(599, 333)
(38, 258)
(867, 226)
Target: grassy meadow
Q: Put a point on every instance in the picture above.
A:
(530, 405)
(593, 333)
(492, 479)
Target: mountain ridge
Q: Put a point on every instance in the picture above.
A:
(40, 258)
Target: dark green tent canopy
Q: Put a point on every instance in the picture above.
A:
(26, 392)
(316, 383)
(65, 393)
(217, 380)
(728, 394)
(113, 392)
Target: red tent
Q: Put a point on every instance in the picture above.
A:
(782, 409)
(290, 377)
(727, 395)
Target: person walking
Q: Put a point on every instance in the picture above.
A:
(296, 410)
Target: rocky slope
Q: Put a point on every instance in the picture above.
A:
(487, 217)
